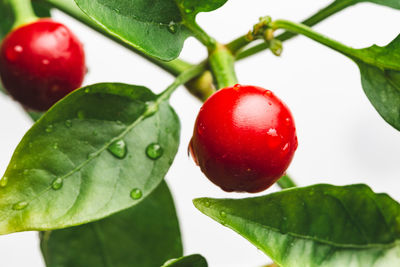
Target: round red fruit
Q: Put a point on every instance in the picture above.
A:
(244, 138)
(40, 63)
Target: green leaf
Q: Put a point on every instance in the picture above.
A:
(194, 260)
(7, 15)
(66, 170)
(389, 3)
(144, 235)
(380, 77)
(154, 27)
(320, 225)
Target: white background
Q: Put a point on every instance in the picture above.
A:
(342, 139)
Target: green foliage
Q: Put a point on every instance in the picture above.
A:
(157, 28)
(194, 260)
(144, 235)
(320, 225)
(64, 172)
(389, 3)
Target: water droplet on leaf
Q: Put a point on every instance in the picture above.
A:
(154, 151)
(118, 149)
(20, 205)
(81, 114)
(172, 27)
(207, 203)
(55, 146)
(136, 193)
(223, 214)
(57, 183)
(26, 171)
(4, 181)
(68, 123)
(188, 10)
(87, 90)
(49, 128)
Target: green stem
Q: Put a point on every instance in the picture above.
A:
(310, 33)
(286, 182)
(183, 78)
(200, 34)
(222, 66)
(321, 15)
(23, 12)
(174, 67)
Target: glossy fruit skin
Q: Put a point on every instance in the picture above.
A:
(244, 138)
(40, 63)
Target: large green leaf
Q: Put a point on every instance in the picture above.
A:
(155, 27)
(144, 235)
(194, 260)
(389, 3)
(63, 174)
(320, 225)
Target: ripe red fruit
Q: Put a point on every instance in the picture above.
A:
(41, 62)
(244, 138)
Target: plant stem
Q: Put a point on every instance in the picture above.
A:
(286, 182)
(183, 78)
(222, 66)
(321, 15)
(310, 33)
(174, 67)
(23, 12)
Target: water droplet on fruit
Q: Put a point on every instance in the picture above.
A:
(236, 86)
(285, 149)
(4, 181)
(57, 183)
(272, 132)
(296, 143)
(172, 27)
(154, 151)
(118, 149)
(20, 205)
(188, 10)
(81, 114)
(287, 121)
(49, 128)
(268, 93)
(68, 123)
(136, 193)
(13, 53)
(201, 128)
(45, 62)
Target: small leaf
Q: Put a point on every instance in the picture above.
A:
(320, 225)
(144, 235)
(70, 143)
(154, 27)
(194, 260)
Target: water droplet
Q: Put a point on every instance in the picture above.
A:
(49, 128)
(188, 10)
(236, 86)
(20, 205)
(272, 132)
(68, 123)
(87, 90)
(136, 193)
(154, 151)
(55, 146)
(222, 214)
(81, 114)
(13, 53)
(207, 203)
(57, 183)
(285, 147)
(118, 149)
(45, 62)
(268, 93)
(26, 171)
(4, 181)
(172, 27)
(287, 121)
(201, 128)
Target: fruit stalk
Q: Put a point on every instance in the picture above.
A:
(222, 63)
(23, 12)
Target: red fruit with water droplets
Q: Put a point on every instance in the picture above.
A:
(40, 63)
(244, 138)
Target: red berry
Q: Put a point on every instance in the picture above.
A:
(244, 138)
(41, 62)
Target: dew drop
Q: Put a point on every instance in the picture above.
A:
(87, 90)
(201, 128)
(20, 205)
(268, 93)
(207, 203)
(272, 132)
(4, 181)
(57, 183)
(55, 146)
(188, 10)
(236, 86)
(68, 123)
(136, 193)
(154, 151)
(81, 114)
(26, 171)
(287, 121)
(45, 62)
(118, 149)
(222, 214)
(13, 53)
(49, 128)
(172, 27)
